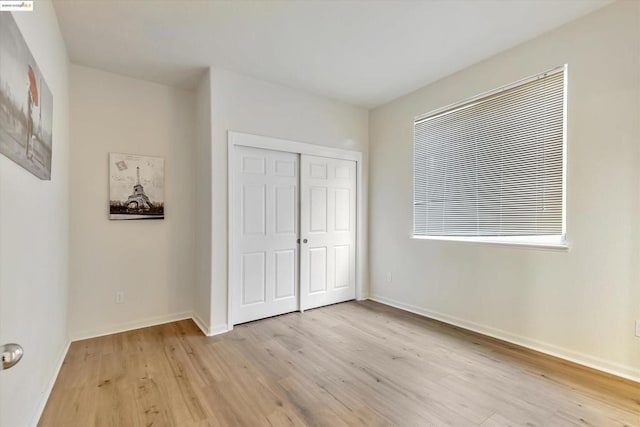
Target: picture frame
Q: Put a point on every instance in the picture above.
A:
(136, 187)
(26, 104)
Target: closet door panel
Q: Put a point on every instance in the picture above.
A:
(328, 231)
(266, 255)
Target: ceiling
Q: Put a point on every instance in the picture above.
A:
(361, 52)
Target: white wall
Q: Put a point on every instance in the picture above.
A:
(153, 262)
(244, 104)
(202, 286)
(34, 250)
(580, 304)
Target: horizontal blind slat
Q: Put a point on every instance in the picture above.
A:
(493, 166)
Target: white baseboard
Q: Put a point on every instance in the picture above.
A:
(152, 321)
(219, 329)
(129, 326)
(609, 367)
(49, 387)
(209, 330)
(201, 324)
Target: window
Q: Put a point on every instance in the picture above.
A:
(493, 167)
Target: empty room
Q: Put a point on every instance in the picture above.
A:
(319, 213)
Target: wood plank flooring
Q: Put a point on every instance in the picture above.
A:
(350, 364)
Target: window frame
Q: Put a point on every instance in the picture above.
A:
(547, 242)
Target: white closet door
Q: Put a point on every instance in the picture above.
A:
(328, 231)
(265, 259)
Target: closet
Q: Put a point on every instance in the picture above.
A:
(293, 231)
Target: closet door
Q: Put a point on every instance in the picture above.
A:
(265, 252)
(328, 231)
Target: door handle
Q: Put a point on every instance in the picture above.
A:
(11, 354)
(304, 241)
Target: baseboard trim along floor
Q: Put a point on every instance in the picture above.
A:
(618, 370)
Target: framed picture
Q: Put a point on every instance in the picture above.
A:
(26, 104)
(136, 187)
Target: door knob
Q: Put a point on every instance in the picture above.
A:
(304, 241)
(11, 354)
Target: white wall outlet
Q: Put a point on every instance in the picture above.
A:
(638, 328)
(389, 277)
(119, 297)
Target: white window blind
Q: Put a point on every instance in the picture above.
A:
(493, 165)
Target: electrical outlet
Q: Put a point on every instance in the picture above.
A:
(119, 297)
(638, 328)
(389, 277)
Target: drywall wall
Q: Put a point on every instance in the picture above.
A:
(244, 104)
(202, 285)
(579, 304)
(151, 261)
(34, 249)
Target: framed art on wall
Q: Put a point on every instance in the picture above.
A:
(26, 104)
(136, 187)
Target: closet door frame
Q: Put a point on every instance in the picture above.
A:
(276, 144)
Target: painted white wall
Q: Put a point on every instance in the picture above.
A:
(152, 262)
(34, 249)
(244, 104)
(202, 285)
(580, 304)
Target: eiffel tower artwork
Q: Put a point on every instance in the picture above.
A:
(136, 187)
(138, 202)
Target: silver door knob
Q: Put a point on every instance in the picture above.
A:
(11, 354)
(304, 241)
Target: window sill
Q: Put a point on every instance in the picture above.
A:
(550, 244)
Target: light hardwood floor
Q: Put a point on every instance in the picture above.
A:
(357, 363)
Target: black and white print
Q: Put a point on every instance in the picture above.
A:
(136, 187)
